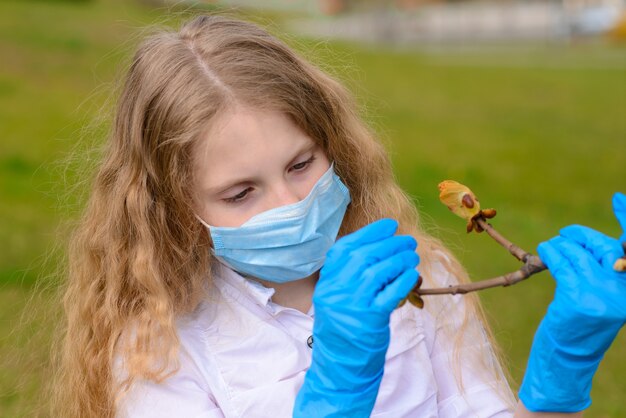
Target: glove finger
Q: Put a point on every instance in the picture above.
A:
(371, 254)
(381, 250)
(376, 277)
(376, 231)
(381, 229)
(393, 293)
(605, 249)
(366, 256)
(582, 261)
(619, 208)
(559, 266)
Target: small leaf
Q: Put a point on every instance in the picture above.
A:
(414, 297)
(488, 213)
(416, 300)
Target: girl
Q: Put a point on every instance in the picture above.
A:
(207, 279)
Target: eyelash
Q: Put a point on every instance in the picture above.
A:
(239, 197)
(304, 164)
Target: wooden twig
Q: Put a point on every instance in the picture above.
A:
(516, 251)
(532, 265)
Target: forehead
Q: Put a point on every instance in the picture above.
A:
(243, 138)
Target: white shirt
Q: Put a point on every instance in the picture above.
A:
(243, 355)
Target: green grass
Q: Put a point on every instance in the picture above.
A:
(538, 133)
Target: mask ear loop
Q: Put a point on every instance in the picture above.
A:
(209, 231)
(214, 258)
(202, 220)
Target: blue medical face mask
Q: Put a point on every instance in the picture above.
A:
(288, 242)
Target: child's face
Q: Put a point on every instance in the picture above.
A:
(251, 161)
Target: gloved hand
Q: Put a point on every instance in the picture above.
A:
(619, 207)
(588, 310)
(365, 276)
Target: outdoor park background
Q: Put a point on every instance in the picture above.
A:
(536, 129)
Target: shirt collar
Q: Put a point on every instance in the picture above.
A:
(254, 290)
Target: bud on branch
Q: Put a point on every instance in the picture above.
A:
(463, 203)
(620, 263)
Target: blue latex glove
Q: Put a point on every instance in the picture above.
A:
(365, 276)
(587, 312)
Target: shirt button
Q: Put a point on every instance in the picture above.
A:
(309, 341)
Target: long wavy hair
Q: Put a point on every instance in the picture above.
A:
(139, 258)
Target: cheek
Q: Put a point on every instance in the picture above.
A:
(215, 213)
(319, 170)
(221, 216)
(316, 171)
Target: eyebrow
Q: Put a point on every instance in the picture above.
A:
(243, 180)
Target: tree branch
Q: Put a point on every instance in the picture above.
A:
(532, 265)
(516, 251)
(462, 202)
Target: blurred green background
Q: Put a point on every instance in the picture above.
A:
(538, 132)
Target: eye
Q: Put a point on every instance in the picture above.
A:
(302, 165)
(239, 196)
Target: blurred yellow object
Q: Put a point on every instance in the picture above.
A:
(618, 32)
(459, 199)
(620, 264)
